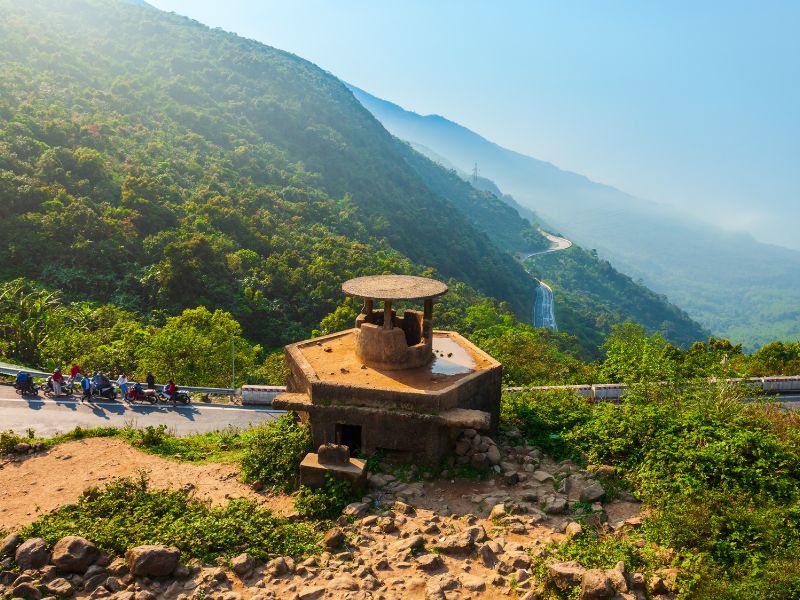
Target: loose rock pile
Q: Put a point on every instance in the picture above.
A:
(399, 542)
(477, 450)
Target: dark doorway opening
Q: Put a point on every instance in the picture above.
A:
(350, 436)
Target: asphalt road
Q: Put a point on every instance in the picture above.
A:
(48, 417)
(543, 315)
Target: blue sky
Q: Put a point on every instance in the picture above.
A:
(692, 104)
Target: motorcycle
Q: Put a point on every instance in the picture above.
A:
(106, 390)
(26, 388)
(180, 397)
(67, 387)
(136, 393)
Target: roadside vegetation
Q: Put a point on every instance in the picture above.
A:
(720, 478)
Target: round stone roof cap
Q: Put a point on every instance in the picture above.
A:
(394, 287)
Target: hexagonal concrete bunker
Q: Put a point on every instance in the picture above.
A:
(408, 412)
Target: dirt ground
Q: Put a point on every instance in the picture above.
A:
(48, 480)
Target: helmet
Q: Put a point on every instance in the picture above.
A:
(58, 370)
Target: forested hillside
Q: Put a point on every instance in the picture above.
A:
(149, 161)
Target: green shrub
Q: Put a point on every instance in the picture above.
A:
(8, 440)
(273, 452)
(544, 417)
(326, 502)
(127, 513)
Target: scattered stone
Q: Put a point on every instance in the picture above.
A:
(343, 582)
(592, 492)
(26, 590)
(573, 529)
(356, 509)
(333, 538)
(152, 560)
(618, 577)
(566, 574)
(409, 543)
(493, 455)
(74, 554)
(243, 564)
(595, 585)
(311, 592)
(9, 544)
(498, 511)
(473, 583)
(32, 554)
(429, 563)
(541, 476)
(554, 505)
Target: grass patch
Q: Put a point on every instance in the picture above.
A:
(128, 513)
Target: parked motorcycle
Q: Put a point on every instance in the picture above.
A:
(107, 391)
(26, 387)
(67, 387)
(136, 393)
(181, 397)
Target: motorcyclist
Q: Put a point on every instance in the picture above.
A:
(74, 371)
(171, 390)
(58, 380)
(24, 382)
(96, 382)
(151, 381)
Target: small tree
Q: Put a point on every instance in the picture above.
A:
(195, 348)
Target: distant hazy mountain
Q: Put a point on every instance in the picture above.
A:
(734, 285)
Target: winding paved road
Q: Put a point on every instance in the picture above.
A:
(543, 306)
(48, 417)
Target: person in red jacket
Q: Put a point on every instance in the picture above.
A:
(74, 371)
(171, 390)
(58, 380)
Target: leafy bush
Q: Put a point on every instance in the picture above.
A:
(127, 513)
(326, 502)
(8, 440)
(273, 452)
(544, 417)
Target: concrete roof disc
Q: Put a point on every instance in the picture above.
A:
(394, 287)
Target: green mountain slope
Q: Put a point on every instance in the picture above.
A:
(732, 284)
(150, 161)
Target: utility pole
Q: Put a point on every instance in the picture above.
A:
(233, 369)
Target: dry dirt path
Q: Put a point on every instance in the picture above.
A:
(57, 477)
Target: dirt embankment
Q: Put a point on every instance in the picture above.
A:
(43, 482)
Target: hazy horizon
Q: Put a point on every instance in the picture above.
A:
(685, 105)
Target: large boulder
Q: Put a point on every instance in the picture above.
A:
(32, 554)
(152, 560)
(74, 554)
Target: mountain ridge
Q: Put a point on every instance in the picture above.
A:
(733, 284)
